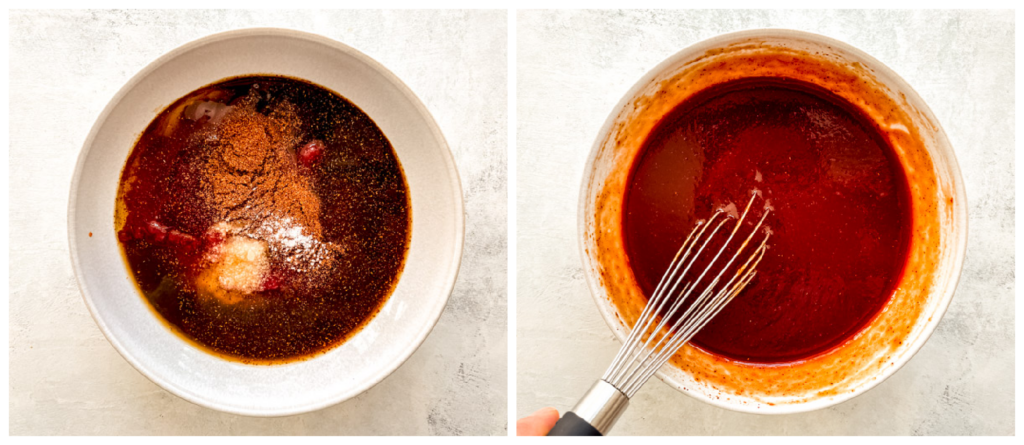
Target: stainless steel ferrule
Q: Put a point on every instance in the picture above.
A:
(602, 406)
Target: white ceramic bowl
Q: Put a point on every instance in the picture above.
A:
(407, 317)
(939, 206)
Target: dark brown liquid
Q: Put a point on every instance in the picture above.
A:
(840, 218)
(265, 218)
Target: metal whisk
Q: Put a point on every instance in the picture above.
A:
(652, 342)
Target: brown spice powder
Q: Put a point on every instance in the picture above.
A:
(251, 180)
(250, 170)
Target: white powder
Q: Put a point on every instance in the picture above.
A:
(301, 251)
(285, 234)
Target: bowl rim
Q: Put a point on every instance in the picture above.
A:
(959, 245)
(449, 275)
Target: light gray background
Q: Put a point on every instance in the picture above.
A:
(574, 66)
(65, 378)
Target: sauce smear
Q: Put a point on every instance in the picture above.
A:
(840, 212)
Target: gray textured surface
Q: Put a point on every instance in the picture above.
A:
(65, 378)
(574, 66)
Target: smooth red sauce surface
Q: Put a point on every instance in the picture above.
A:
(840, 218)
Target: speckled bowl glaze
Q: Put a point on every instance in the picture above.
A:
(939, 209)
(435, 248)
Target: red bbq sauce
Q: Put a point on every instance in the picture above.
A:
(840, 212)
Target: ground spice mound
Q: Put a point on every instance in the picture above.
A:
(250, 170)
(252, 181)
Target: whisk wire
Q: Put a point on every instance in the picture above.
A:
(657, 302)
(616, 371)
(708, 308)
(659, 332)
(678, 341)
(635, 363)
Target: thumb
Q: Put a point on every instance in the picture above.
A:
(538, 423)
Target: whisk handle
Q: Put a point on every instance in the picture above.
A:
(594, 414)
(572, 425)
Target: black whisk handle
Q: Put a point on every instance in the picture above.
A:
(572, 425)
(594, 414)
